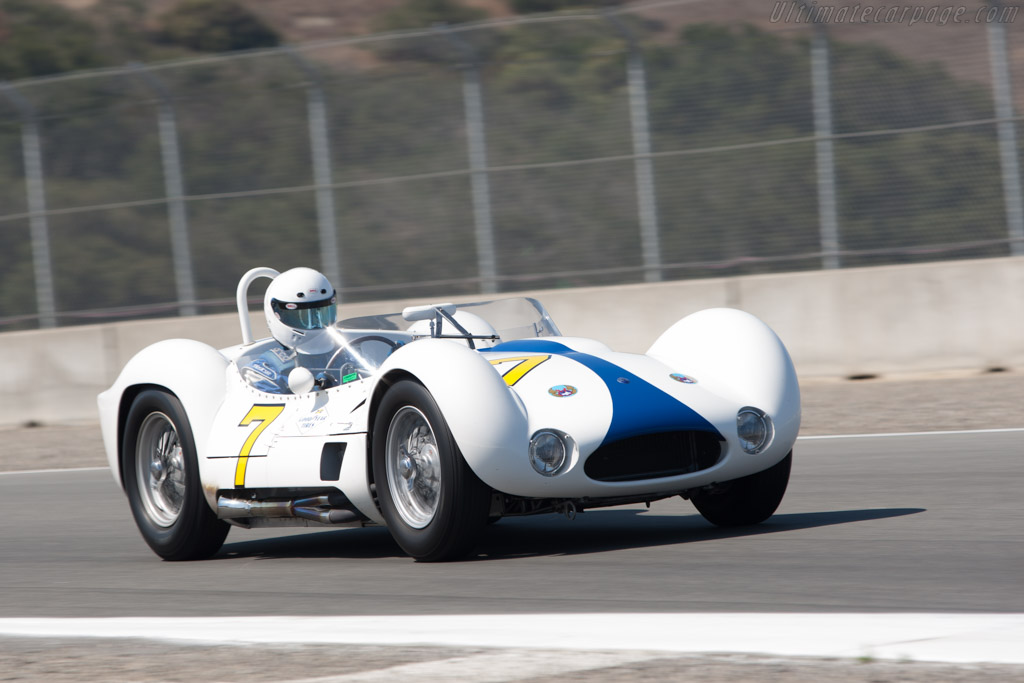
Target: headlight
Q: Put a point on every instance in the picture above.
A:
(755, 429)
(549, 451)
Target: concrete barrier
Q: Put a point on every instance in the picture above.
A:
(909, 319)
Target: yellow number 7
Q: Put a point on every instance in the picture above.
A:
(523, 364)
(264, 415)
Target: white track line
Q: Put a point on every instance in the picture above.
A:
(951, 638)
(897, 434)
(62, 469)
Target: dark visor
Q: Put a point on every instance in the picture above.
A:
(306, 315)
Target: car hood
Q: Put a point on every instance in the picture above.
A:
(616, 395)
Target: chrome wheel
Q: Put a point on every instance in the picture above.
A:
(161, 477)
(160, 469)
(413, 464)
(433, 503)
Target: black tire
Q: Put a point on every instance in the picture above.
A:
(750, 500)
(434, 505)
(171, 513)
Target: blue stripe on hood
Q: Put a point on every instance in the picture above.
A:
(637, 407)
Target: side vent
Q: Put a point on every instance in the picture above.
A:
(330, 461)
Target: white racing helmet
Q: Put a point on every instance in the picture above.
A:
(476, 325)
(301, 305)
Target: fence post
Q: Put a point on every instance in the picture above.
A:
(821, 89)
(476, 139)
(320, 145)
(1006, 129)
(646, 195)
(35, 189)
(170, 154)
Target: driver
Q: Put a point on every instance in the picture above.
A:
(301, 306)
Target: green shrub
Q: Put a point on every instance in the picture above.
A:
(215, 26)
(38, 39)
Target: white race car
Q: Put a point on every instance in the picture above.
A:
(442, 418)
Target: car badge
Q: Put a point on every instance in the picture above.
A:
(685, 379)
(562, 390)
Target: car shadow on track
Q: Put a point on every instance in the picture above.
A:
(521, 537)
(606, 530)
(369, 543)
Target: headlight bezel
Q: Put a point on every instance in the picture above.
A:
(548, 467)
(760, 431)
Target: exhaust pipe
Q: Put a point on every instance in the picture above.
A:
(234, 508)
(327, 516)
(317, 509)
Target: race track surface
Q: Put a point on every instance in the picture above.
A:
(925, 523)
(912, 523)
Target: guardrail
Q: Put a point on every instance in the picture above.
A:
(840, 323)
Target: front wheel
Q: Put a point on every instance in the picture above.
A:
(434, 505)
(749, 500)
(161, 475)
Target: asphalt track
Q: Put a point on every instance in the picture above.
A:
(914, 523)
(888, 553)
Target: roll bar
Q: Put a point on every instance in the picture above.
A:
(242, 298)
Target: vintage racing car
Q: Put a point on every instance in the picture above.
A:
(442, 418)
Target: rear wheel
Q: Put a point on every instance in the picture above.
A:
(434, 505)
(749, 500)
(161, 476)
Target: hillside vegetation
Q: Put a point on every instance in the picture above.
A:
(553, 93)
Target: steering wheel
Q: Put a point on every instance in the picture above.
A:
(346, 365)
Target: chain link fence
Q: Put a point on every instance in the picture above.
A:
(655, 141)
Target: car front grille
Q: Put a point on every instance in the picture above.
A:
(653, 456)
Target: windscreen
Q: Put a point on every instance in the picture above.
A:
(515, 318)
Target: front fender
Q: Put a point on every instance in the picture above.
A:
(191, 370)
(487, 421)
(738, 356)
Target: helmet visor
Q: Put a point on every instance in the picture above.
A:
(306, 315)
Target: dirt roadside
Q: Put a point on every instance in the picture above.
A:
(100, 660)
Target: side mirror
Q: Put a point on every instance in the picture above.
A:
(300, 380)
